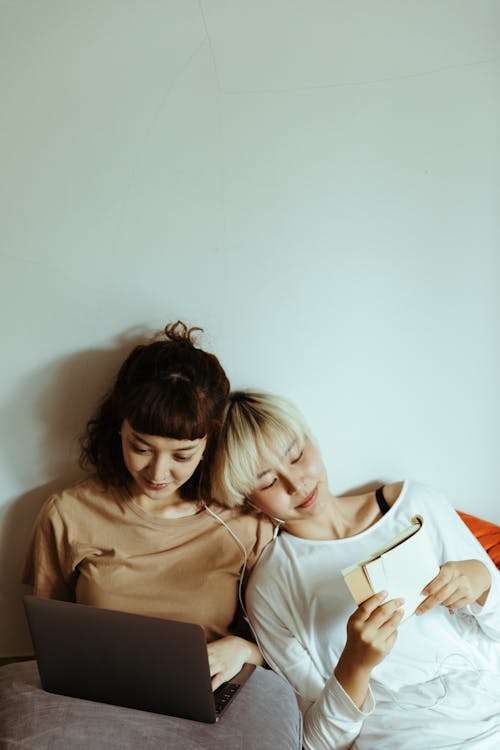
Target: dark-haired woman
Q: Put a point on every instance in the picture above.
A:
(138, 536)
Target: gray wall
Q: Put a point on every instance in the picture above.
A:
(315, 183)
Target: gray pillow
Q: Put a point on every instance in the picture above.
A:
(264, 717)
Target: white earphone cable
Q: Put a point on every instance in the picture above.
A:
(243, 569)
(245, 557)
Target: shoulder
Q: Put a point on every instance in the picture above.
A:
(273, 567)
(252, 532)
(251, 526)
(80, 497)
(412, 489)
(407, 490)
(272, 585)
(418, 497)
(392, 492)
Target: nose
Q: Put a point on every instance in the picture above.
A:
(291, 483)
(159, 468)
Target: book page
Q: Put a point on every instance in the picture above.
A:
(405, 570)
(416, 523)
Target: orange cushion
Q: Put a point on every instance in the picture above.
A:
(486, 532)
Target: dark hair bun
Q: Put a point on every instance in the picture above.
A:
(179, 332)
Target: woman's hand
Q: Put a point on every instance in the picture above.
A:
(227, 656)
(371, 633)
(458, 583)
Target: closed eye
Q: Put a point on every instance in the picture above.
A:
(182, 457)
(136, 449)
(268, 486)
(297, 459)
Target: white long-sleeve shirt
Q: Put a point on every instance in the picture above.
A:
(440, 685)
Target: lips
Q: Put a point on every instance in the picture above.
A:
(155, 485)
(309, 499)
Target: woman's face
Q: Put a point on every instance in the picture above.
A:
(291, 485)
(159, 466)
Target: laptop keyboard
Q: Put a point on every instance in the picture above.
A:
(223, 695)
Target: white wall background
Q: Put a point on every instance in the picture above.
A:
(316, 182)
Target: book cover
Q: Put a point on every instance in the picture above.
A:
(403, 568)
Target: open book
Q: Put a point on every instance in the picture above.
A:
(403, 568)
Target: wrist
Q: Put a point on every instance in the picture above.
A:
(353, 678)
(254, 655)
(251, 653)
(479, 573)
(481, 600)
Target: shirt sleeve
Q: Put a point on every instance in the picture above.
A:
(331, 718)
(48, 566)
(454, 541)
(263, 535)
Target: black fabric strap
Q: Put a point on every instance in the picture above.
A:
(381, 501)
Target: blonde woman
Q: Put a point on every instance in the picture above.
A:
(363, 679)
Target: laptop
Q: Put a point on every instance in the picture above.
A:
(128, 660)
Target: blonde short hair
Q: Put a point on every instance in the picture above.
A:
(255, 421)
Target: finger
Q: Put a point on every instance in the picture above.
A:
(456, 602)
(214, 669)
(433, 589)
(388, 627)
(217, 680)
(390, 641)
(446, 574)
(426, 605)
(439, 597)
(385, 638)
(383, 613)
(441, 592)
(367, 607)
(214, 664)
(461, 590)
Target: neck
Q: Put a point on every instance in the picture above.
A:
(339, 518)
(321, 526)
(174, 506)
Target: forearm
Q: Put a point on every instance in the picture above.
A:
(334, 720)
(486, 609)
(454, 541)
(371, 634)
(331, 719)
(355, 680)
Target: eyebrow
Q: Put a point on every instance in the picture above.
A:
(145, 442)
(266, 471)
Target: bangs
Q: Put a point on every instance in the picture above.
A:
(174, 410)
(251, 434)
(243, 472)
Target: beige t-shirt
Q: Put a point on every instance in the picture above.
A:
(93, 545)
